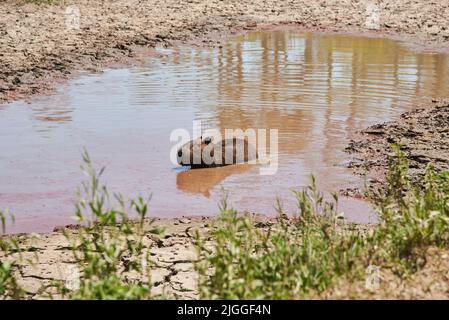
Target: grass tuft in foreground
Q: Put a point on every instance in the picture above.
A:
(109, 247)
(9, 247)
(285, 260)
(304, 255)
(414, 217)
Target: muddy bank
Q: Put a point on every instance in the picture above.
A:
(47, 259)
(40, 44)
(423, 135)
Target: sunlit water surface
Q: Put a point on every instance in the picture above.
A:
(316, 89)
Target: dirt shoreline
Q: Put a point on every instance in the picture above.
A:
(422, 134)
(47, 259)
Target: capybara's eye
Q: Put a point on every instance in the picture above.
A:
(179, 153)
(207, 140)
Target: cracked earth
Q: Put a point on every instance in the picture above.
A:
(47, 258)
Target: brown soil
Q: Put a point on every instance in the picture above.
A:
(422, 134)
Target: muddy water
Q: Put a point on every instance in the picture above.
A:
(317, 90)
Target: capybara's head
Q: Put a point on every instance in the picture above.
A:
(190, 154)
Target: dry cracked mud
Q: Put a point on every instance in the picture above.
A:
(48, 258)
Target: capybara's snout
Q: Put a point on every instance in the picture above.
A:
(185, 152)
(179, 153)
(181, 156)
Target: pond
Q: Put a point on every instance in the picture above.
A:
(317, 90)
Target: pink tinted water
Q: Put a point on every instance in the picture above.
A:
(317, 90)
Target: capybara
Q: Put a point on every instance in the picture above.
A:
(210, 152)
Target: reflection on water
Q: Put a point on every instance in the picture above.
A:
(317, 90)
(203, 180)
